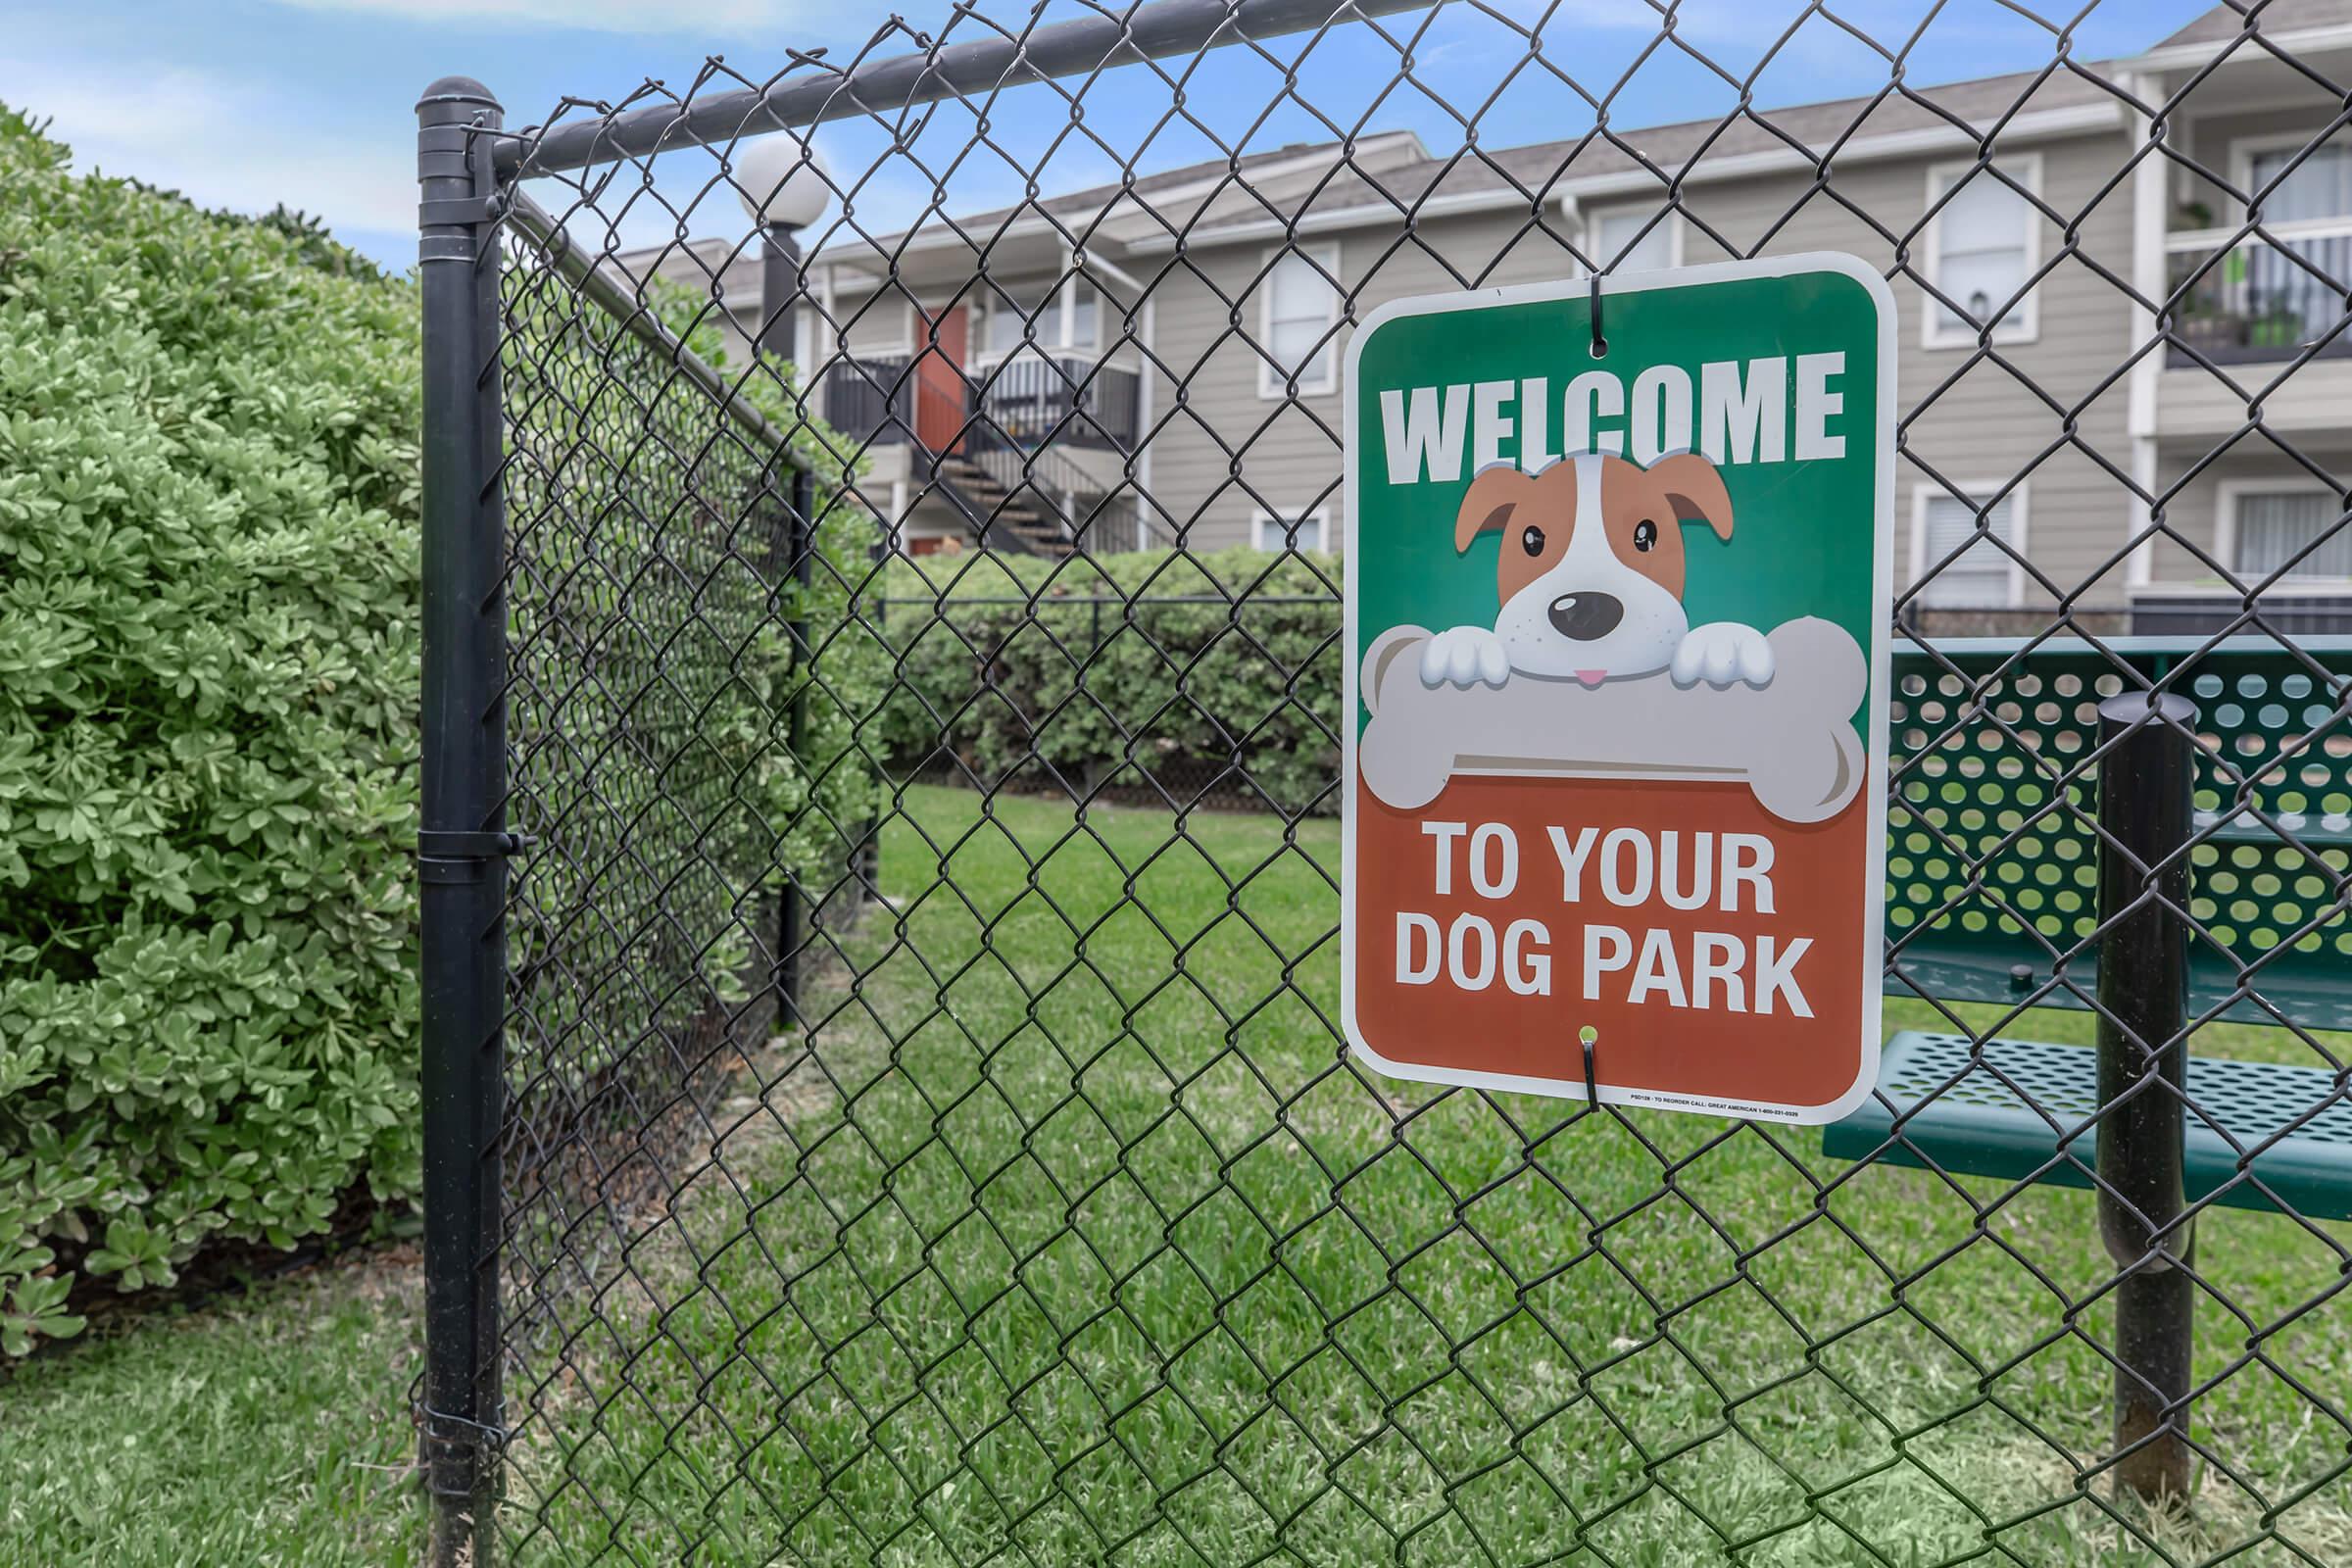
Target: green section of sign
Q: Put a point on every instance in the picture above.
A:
(1805, 529)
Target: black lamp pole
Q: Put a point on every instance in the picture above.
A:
(779, 282)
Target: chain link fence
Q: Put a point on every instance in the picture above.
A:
(885, 1100)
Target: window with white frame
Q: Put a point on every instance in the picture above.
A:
(1632, 239)
(1011, 313)
(2313, 182)
(1007, 321)
(2301, 533)
(1981, 575)
(1310, 530)
(1983, 244)
(1298, 305)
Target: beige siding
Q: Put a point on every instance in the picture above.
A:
(867, 322)
(2299, 403)
(2193, 512)
(876, 318)
(738, 319)
(1227, 450)
(2043, 412)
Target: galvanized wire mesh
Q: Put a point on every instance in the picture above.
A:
(1050, 1222)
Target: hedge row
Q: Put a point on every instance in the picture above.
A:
(207, 651)
(1186, 674)
(207, 732)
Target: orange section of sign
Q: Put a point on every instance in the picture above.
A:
(1722, 953)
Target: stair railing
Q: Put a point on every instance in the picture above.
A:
(998, 480)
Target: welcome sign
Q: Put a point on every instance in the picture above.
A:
(1618, 637)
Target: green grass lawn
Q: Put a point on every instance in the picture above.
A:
(270, 1428)
(1075, 1239)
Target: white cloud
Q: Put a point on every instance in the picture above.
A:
(198, 133)
(736, 18)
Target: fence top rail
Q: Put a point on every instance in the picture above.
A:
(2234, 645)
(1143, 32)
(595, 282)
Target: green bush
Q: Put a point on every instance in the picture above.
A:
(207, 732)
(1144, 668)
(208, 655)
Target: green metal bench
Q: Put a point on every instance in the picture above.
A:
(2022, 1110)
(2018, 873)
(1991, 870)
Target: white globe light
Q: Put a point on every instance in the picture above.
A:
(781, 180)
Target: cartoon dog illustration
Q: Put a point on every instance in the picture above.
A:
(1591, 577)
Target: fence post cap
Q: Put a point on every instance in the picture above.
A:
(458, 90)
(2141, 708)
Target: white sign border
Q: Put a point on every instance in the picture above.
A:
(1873, 978)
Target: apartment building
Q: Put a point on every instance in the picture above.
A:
(1159, 362)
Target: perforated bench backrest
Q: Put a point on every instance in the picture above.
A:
(1990, 829)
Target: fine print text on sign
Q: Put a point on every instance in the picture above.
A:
(1617, 711)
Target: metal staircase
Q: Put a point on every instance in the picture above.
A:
(1005, 509)
(1020, 496)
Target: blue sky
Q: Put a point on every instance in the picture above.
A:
(244, 103)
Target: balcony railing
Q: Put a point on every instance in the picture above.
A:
(870, 400)
(1029, 400)
(1032, 399)
(2243, 301)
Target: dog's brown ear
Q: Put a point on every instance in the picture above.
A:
(1488, 503)
(1696, 490)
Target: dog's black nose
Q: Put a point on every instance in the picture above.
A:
(1586, 618)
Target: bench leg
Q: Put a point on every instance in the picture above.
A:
(2146, 783)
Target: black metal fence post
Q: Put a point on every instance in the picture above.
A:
(866, 857)
(780, 282)
(793, 917)
(2146, 784)
(461, 840)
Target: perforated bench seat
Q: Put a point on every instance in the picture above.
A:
(1978, 1125)
(1991, 858)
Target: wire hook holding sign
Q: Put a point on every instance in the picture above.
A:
(1585, 1037)
(1600, 349)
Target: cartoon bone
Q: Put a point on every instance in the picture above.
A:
(1793, 742)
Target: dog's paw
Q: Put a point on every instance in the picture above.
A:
(1464, 656)
(1720, 653)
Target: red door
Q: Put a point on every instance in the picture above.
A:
(939, 387)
